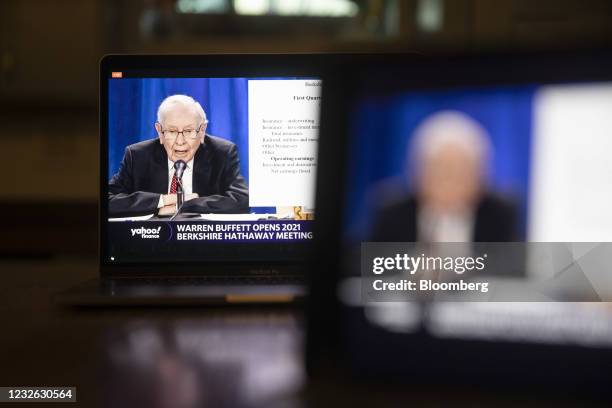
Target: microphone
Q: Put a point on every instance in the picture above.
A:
(179, 169)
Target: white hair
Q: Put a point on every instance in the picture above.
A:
(183, 100)
(454, 128)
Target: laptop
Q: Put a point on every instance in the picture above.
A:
(207, 172)
(520, 298)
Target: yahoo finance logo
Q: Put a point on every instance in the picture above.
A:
(146, 233)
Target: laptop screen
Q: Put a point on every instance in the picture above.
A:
(208, 168)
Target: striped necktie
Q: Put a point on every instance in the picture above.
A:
(173, 184)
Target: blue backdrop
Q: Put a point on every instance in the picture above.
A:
(133, 104)
(382, 128)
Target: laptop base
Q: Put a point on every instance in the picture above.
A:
(182, 292)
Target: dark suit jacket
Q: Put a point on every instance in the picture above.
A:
(143, 176)
(495, 221)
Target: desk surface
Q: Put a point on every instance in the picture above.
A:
(144, 356)
(178, 357)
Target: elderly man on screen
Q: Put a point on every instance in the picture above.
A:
(146, 183)
(450, 201)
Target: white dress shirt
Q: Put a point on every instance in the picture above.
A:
(439, 227)
(187, 179)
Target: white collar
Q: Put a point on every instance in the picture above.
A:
(171, 164)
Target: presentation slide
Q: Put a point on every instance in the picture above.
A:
(570, 194)
(283, 132)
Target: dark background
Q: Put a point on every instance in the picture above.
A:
(49, 54)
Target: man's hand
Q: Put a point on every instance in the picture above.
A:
(170, 200)
(167, 210)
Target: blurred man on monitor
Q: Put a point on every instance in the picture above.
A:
(146, 181)
(450, 202)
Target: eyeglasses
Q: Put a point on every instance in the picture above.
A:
(187, 133)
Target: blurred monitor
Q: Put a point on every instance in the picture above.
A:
(500, 153)
(537, 153)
